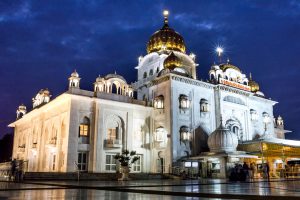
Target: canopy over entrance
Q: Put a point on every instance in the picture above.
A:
(272, 147)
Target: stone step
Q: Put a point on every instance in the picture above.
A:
(88, 176)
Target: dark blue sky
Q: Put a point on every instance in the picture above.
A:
(42, 42)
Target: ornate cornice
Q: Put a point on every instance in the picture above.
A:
(233, 90)
(191, 81)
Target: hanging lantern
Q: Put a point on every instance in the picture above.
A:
(184, 102)
(204, 106)
(185, 134)
(159, 102)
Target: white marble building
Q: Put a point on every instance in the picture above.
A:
(170, 120)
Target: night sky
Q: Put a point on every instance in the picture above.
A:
(42, 42)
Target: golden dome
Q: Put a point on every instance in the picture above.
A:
(253, 85)
(226, 66)
(166, 39)
(172, 61)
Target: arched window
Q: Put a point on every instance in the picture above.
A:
(226, 77)
(235, 130)
(184, 102)
(84, 130)
(219, 76)
(114, 88)
(266, 120)
(113, 132)
(160, 134)
(204, 106)
(157, 69)
(245, 83)
(235, 126)
(145, 97)
(212, 77)
(151, 72)
(159, 102)
(145, 75)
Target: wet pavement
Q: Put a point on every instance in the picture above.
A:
(151, 189)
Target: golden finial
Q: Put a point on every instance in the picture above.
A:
(166, 14)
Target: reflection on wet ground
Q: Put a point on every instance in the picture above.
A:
(151, 189)
(87, 194)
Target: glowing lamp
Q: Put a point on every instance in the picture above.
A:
(166, 13)
(185, 134)
(219, 50)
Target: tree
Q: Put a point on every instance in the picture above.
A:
(127, 158)
(6, 144)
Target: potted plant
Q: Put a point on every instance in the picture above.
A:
(126, 159)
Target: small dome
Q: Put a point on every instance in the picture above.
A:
(75, 74)
(46, 91)
(99, 79)
(226, 66)
(23, 107)
(253, 85)
(222, 140)
(115, 75)
(215, 67)
(166, 38)
(172, 61)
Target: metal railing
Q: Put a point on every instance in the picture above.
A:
(184, 172)
(5, 170)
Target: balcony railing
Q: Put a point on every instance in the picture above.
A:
(112, 143)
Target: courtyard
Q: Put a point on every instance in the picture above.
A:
(152, 189)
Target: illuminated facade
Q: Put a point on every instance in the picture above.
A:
(175, 117)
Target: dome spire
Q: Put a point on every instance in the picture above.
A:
(250, 76)
(166, 38)
(166, 14)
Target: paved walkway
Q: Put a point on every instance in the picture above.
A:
(152, 189)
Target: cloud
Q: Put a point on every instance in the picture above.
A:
(21, 12)
(193, 21)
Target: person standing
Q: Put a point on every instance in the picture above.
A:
(251, 171)
(246, 170)
(268, 171)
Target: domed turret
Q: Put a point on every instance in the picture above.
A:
(166, 39)
(222, 140)
(75, 74)
(115, 75)
(21, 111)
(253, 85)
(172, 61)
(226, 66)
(74, 80)
(99, 78)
